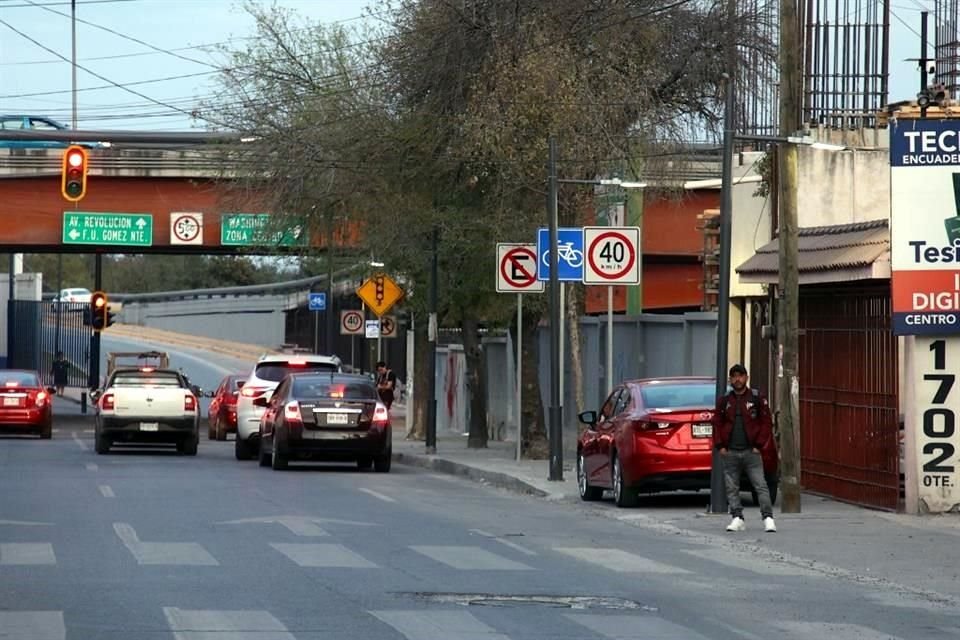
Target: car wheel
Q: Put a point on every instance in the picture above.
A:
(242, 449)
(381, 464)
(364, 463)
(46, 432)
(587, 493)
(264, 457)
(101, 443)
(623, 496)
(189, 446)
(279, 460)
(211, 429)
(221, 431)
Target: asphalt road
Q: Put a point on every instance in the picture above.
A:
(148, 544)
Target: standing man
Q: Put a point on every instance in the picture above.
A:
(59, 371)
(386, 383)
(742, 427)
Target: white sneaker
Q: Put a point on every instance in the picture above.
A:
(769, 525)
(737, 524)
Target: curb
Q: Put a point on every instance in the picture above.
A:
(493, 478)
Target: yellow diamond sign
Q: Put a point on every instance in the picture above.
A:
(380, 293)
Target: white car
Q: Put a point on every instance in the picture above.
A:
(74, 296)
(269, 371)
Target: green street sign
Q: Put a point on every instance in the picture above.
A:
(245, 229)
(110, 229)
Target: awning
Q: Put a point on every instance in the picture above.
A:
(837, 253)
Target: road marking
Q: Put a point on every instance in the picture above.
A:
(20, 553)
(80, 443)
(619, 560)
(323, 555)
(163, 553)
(470, 558)
(431, 624)
(512, 545)
(194, 624)
(92, 467)
(35, 625)
(26, 523)
(106, 491)
(750, 563)
(834, 631)
(301, 525)
(623, 627)
(377, 495)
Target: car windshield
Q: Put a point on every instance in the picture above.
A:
(310, 387)
(676, 395)
(146, 379)
(277, 371)
(18, 379)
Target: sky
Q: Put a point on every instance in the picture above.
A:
(27, 69)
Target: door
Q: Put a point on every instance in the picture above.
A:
(598, 466)
(609, 438)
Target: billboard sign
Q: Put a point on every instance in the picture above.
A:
(925, 226)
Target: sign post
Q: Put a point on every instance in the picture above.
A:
(925, 285)
(612, 259)
(517, 268)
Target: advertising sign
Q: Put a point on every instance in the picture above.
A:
(925, 226)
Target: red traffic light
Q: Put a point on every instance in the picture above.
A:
(98, 311)
(74, 173)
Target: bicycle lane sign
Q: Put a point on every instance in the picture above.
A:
(569, 254)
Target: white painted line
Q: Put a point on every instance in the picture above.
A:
(25, 523)
(323, 555)
(623, 627)
(470, 558)
(80, 443)
(20, 553)
(377, 495)
(106, 491)
(747, 562)
(834, 631)
(92, 467)
(35, 625)
(430, 624)
(192, 624)
(619, 560)
(163, 553)
(512, 545)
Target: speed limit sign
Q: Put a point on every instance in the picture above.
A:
(186, 228)
(351, 323)
(612, 255)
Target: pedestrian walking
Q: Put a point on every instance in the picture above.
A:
(742, 428)
(60, 370)
(386, 383)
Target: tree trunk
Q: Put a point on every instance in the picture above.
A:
(574, 295)
(476, 386)
(421, 379)
(533, 426)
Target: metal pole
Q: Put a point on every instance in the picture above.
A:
(330, 309)
(57, 310)
(11, 312)
(609, 367)
(73, 47)
(718, 493)
(94, 381)
(563, 344)
(432, 352)
(316, 332)
(519, 372)
(380, 341)
(554, 412)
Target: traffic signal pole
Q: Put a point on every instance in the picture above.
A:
(94, 381)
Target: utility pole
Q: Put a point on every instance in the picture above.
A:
(330, 310)
(788, 382)
(432, 335)
(554, 413)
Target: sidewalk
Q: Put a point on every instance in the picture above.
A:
(912, 555)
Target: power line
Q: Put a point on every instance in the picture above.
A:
(112, 85)
(58, 4)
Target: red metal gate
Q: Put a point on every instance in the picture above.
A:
(848, 394)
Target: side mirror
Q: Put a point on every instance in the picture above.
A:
(210, 394)
(95, 394)
(588, 417)
(241, 383)
(52, 390)
(261, 402)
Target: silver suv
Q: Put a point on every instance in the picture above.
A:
(269, 371)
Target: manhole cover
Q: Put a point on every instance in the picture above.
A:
(518, 600)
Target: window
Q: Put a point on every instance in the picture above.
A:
(311, 388)
(677, 395)
(622, 402)
(607, 410)
(11, 123)
(276, 371)
(146, 379)
(18, 379)
(42, 125)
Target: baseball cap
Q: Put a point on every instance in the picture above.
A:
(738, 369)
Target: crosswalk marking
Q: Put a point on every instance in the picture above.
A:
(333, 556)
(32, 625)
(619, 560)
(749, 563)
(645, 627)
(834, 631)
(163, 553)
(470, 558)
(438, 625)
(80, 443)
(377, 495)
(506, 543)
(92, 467)
(107, 491)
(33, 553)
(198, 624)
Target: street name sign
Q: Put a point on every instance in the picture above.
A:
(245, 229)
(611, 255)
(108, 229)
(517, 268)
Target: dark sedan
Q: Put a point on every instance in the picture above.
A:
(325, 417)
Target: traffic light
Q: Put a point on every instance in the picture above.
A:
(74, 173)
(99, 311)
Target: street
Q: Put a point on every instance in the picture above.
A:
(147, 544)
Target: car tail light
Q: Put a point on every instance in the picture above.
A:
(189, 402)
(380, 415)
(106, 402)
(253, 392)
(292, 411)
(650, 425)
(41, 398)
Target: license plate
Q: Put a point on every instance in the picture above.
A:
(11, 402)
(338, 418)
(702, 430)
(149, 426)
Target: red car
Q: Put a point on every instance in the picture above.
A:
(26, 406)
(654, 435)
(222, 414)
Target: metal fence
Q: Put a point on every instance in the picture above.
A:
(40, 329)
